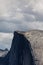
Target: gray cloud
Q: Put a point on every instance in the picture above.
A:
(21, 15)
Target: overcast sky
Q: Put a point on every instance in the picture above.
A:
(21, 15)
(5, 40)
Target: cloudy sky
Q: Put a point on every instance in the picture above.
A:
(20, 15)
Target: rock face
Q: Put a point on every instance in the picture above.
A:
(36, 39)
(20, 52)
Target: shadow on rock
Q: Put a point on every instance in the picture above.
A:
(20, 52)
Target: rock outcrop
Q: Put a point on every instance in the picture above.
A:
(36, 39)
(20, 52)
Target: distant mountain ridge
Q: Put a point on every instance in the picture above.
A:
(4, 49)
(3, 52)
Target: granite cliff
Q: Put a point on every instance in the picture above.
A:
(36, 39)
(20, 52)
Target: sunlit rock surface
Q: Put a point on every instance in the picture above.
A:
(36, 39)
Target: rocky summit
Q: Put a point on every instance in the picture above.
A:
(36, 39)
(20, 52)
(26, 49)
